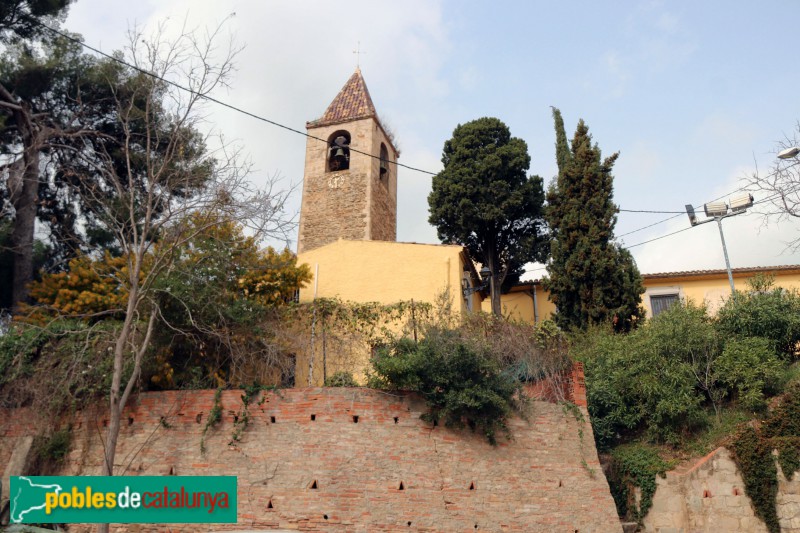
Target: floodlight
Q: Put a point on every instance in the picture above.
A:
(789, 153)
(692, 216)
(716, 209)
(740, 202)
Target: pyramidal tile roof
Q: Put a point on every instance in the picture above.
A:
(352, 103)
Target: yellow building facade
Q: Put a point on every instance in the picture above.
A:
(709, 286)
(529, 302)
(384, 273)
(389, 272)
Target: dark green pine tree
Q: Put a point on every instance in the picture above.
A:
(484, 200)
(592, 280)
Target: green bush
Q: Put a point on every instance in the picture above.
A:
(752, 450)
(749, 366)
(55, 447)
(61, 365)
(49, 452)
(661, 377)
(763, 311)
(753, 456)
(642, 381)
(460, 383)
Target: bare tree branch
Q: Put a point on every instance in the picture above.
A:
(777, 191)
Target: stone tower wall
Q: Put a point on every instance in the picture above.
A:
(357, 203)
(383, 192)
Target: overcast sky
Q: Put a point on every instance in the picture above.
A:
(694, 95)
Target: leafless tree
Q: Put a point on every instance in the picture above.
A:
(777, 191)
(167, 175)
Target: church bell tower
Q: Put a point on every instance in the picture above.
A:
(350, 178)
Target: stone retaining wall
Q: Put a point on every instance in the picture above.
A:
(709, 497)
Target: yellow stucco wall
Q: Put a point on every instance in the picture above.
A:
(711, 289)
(518, 304)
(383, 272)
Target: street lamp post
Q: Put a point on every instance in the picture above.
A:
(717, 211)
(725, 252)
(466, 287)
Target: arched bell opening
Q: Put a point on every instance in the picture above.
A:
(384, 172)
(339, 151)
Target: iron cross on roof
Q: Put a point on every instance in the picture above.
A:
(358, 53)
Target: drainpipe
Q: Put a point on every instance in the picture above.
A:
(532, 294)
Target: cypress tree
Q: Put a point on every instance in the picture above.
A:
(591, 280)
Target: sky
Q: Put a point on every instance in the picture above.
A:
(694, 95)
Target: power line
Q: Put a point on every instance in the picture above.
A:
(650, 225)
(648, 211)
(767, 199)
(657, 238)
(307, 135)
(678, 213)
(215, 100)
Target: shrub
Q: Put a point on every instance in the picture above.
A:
(55, 367)
(763, 311)
(753, 456)
(660, 377)
(638, 381)
(55, 447)
(49, 451)
(752, 450)
(461, 384)
(749, 366)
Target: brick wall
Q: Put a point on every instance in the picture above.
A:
(545, 479)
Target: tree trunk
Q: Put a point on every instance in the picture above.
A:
(24, 202)
(495, 281)
(497, 309)
(24, 192)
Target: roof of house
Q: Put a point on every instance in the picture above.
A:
(352, 103)
(694, 274)
(722, 272)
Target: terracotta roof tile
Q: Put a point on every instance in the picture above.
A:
(692, 273)
(352, 103)
(745, 270)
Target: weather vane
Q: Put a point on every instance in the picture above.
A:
(358, 53)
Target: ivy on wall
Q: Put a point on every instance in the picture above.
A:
(753, 452)
(635, 466)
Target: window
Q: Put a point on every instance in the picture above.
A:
(384, 161)
(339, 151)
(662, 302)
